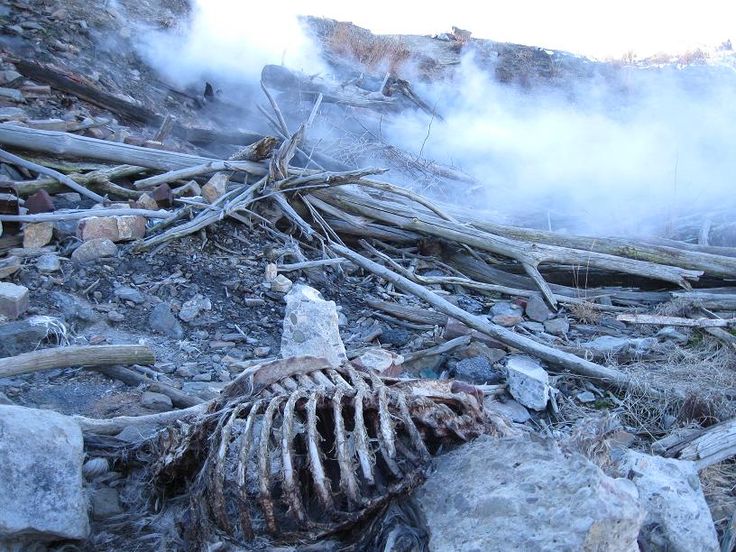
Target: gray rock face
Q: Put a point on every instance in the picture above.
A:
(478, 370)
(191, 309)
(105, 503)
(74, 309)
(41, 476)
(23, 336)
(511, 409)
(8, 265)
(163, 321)
(130, 294)
(537, 309)
(94, 249)
(611, 344)
(669, 332)
(156, 401)
(311, 327)
(678, 518)
(507, 314)
(48, 263)
(13, 300)
(557, 326)
(528, 382)
(506, 308)
(523, 495)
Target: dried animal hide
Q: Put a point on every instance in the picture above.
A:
(295, 451)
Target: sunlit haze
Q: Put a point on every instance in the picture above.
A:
(596, 29)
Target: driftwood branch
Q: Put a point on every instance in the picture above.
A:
(133, 378)
(83, 355)
(19, 161)
(111, 426)
(676, 321)
(70, 145)
(704, 447)
(76, 215)
(99, 180)
(569, 361)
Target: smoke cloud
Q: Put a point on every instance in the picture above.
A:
(605, 161)
(593, 158)
(232, 41)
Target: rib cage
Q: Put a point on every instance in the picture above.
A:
(296, 450)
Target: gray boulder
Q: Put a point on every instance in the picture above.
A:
(311, 327)
(164, 322)
(26, 335)
(528, 382)
(41, 455)
(537, 309)
(478, 370)
(608, 344)
(677, 516)
(526, 495)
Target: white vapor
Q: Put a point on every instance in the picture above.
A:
(233, 40)
(606, 163)
(625, 160)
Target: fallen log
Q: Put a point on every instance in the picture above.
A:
(111, 426)
(97, 180)
(80, 214)
(704, 447)
(412, 314)
(568, 361)
(78, 86)
(20, 162)
(283, 79)
(658, 320)
(71, 145)
(529, 254)
(185, 173)
(707, 262)
(82, 355)
(133, 378)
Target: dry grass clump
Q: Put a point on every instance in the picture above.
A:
(698, 379)
(584, 312)
(719, 488)
(384, 53)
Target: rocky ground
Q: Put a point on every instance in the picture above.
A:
(585, 465)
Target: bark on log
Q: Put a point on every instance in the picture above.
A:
(126, 109)
(529, 254)
(283, 79)
(70, 145)
(84, 355)
(717, 265)
(133, 378)
(657, 320)
(707, 447)
(111, 426)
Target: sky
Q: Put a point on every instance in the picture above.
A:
(600, 29)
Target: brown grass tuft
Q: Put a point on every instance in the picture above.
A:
(584, 312)
(373, 52)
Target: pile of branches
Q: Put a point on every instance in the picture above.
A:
(386, 229)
